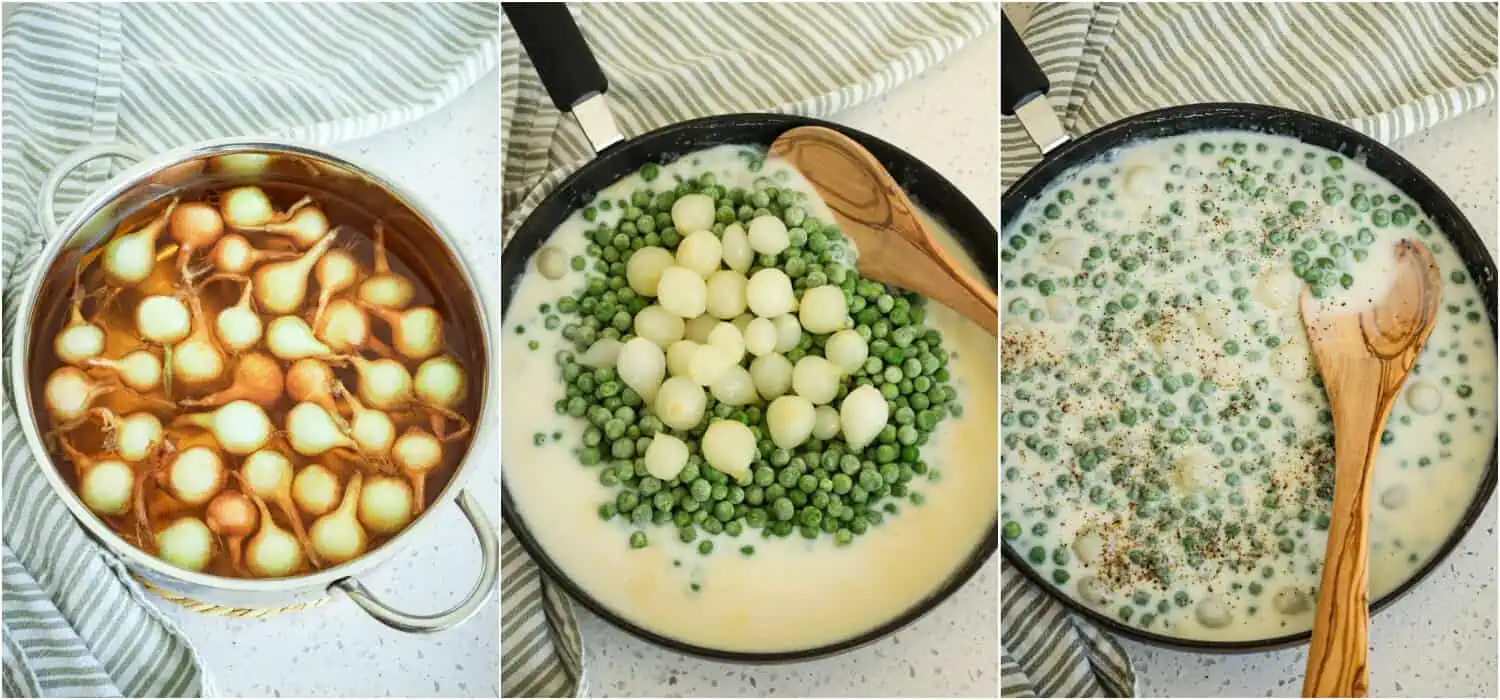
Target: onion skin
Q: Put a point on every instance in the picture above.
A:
(384, 288)
(124, 255)
(304, 223)
(336, 271)
(377, 500)
(233, 516)
(417, 453)
(417, 333)
(133, 370)
(194, 225)
(311, 380)
(324, 530)
(270, 535)
(257, 379)
(281, 288)
(235, 255)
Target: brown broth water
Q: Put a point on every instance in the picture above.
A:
(451, 300)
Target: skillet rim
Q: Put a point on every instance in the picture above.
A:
(1380, 159)
(974, 230)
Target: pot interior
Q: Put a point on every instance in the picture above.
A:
(353, 201)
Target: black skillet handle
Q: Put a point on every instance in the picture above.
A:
(1021, 79)
(566, 65)
(1023, 90)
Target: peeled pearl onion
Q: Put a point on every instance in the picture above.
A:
(823, 309)
(737, 252)
(1424, 398)
(769, 293)
(659, 325)
(768, 235)
(760, 336)
(680, 403)
(729, 447)
(815, 379)
(643, 270)
(862, 415)
(550, 261)
(666, 456)
(847, 350)
(709, 363)
(700, 252)
(728, 337)
(682, 292)
(692, 213)
(680, 358)
(697, 329)
(642, 366)
(826, 423)
(791, 419)
(772, 374)
(734, 387)
(605, 352)
(726, 294)
(788, 332)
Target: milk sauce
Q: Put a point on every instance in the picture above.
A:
(1168, 452)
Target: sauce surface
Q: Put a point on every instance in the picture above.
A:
(792, 593)
(1168, 452)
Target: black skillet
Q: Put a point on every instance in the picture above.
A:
(576, 84)
(1023, 88)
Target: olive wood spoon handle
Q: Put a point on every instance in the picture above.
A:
(1364, 358)
(894, 245)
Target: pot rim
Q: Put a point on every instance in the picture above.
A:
(112, 191)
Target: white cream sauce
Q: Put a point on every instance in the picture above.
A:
(791, 593)
(1219, 224)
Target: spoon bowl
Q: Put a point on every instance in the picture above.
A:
(894, 245)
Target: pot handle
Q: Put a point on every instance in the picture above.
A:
(1023, 90)
(489, 575)
(566, 65)
(47, 204)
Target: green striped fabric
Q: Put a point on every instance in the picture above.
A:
(669, 63)
(1386, 69)
(160, 76)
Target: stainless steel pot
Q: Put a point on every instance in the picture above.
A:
(430, 252)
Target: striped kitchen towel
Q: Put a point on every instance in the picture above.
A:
(1386, 69)
(159, 76)
(708, 58)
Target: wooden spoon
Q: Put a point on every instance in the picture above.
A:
(894, 245)
(1364, 359)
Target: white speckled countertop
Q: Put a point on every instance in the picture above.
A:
(1438, 641)
(450, 160)
(947, 118)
